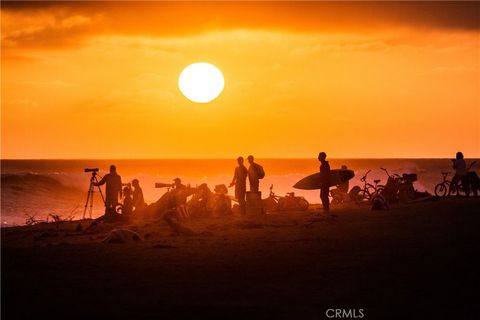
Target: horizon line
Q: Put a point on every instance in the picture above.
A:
(233, 158)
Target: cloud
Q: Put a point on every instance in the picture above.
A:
(43, 28)
(57, 24)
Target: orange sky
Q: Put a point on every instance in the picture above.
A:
(99, 80)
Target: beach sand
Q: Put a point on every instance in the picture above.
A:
(415, 261)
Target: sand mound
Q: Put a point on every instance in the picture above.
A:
(122, 236)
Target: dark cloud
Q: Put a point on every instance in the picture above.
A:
(177, 18)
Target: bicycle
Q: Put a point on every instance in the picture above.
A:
(399, 187)
(289, 202)
(446, 188)
(442, 188)
(368, 190)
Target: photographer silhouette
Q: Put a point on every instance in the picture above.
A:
(113, 190)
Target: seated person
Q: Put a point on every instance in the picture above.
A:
(127, 207)
(340, 193)
(177, 184)
(138, 200)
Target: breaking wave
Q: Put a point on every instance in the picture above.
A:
(31, 183)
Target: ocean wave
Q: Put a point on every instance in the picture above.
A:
(35, 183)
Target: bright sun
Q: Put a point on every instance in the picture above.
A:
(201, 82)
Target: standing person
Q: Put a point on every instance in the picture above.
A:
(255, 173)
(460, 167)
(113, 189)
(324, 178)
(240, 183)
(138, 200)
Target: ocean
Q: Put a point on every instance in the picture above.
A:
(42, 187)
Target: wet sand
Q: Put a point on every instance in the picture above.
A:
(416, 261)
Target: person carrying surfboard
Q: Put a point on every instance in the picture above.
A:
(255, 173)
(324, 179)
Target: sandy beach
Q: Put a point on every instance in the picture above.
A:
(415, 261)
(173, 160)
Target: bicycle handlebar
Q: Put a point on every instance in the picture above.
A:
(365, 176)
(471, 165)
(393, 175)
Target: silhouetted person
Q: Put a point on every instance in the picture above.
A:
(138, 200)
(113, 189)
(255, 173)
(240, 183)
(178, 196)
(127, 207)
(460, 167)
(177, 184)
(340, 192)
(325, 180)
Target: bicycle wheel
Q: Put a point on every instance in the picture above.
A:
(270, 204)
(336, 199)
(441, 190)
(303, 204)
(455, 190)
(362, 197)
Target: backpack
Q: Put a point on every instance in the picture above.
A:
(260, 172)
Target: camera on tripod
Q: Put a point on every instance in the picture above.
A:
(91, 190)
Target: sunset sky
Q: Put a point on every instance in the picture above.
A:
(100, 79)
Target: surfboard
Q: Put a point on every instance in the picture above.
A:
(312, 182)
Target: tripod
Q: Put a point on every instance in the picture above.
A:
(91, 190)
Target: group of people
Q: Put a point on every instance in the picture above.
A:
(132, 194)
(133, 199)
(254, 173)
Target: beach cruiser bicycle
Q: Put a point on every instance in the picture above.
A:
(289, 202)
(399, 187)
(441, 189)
(365, 194)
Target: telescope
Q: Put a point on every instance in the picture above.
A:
(91, 169)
